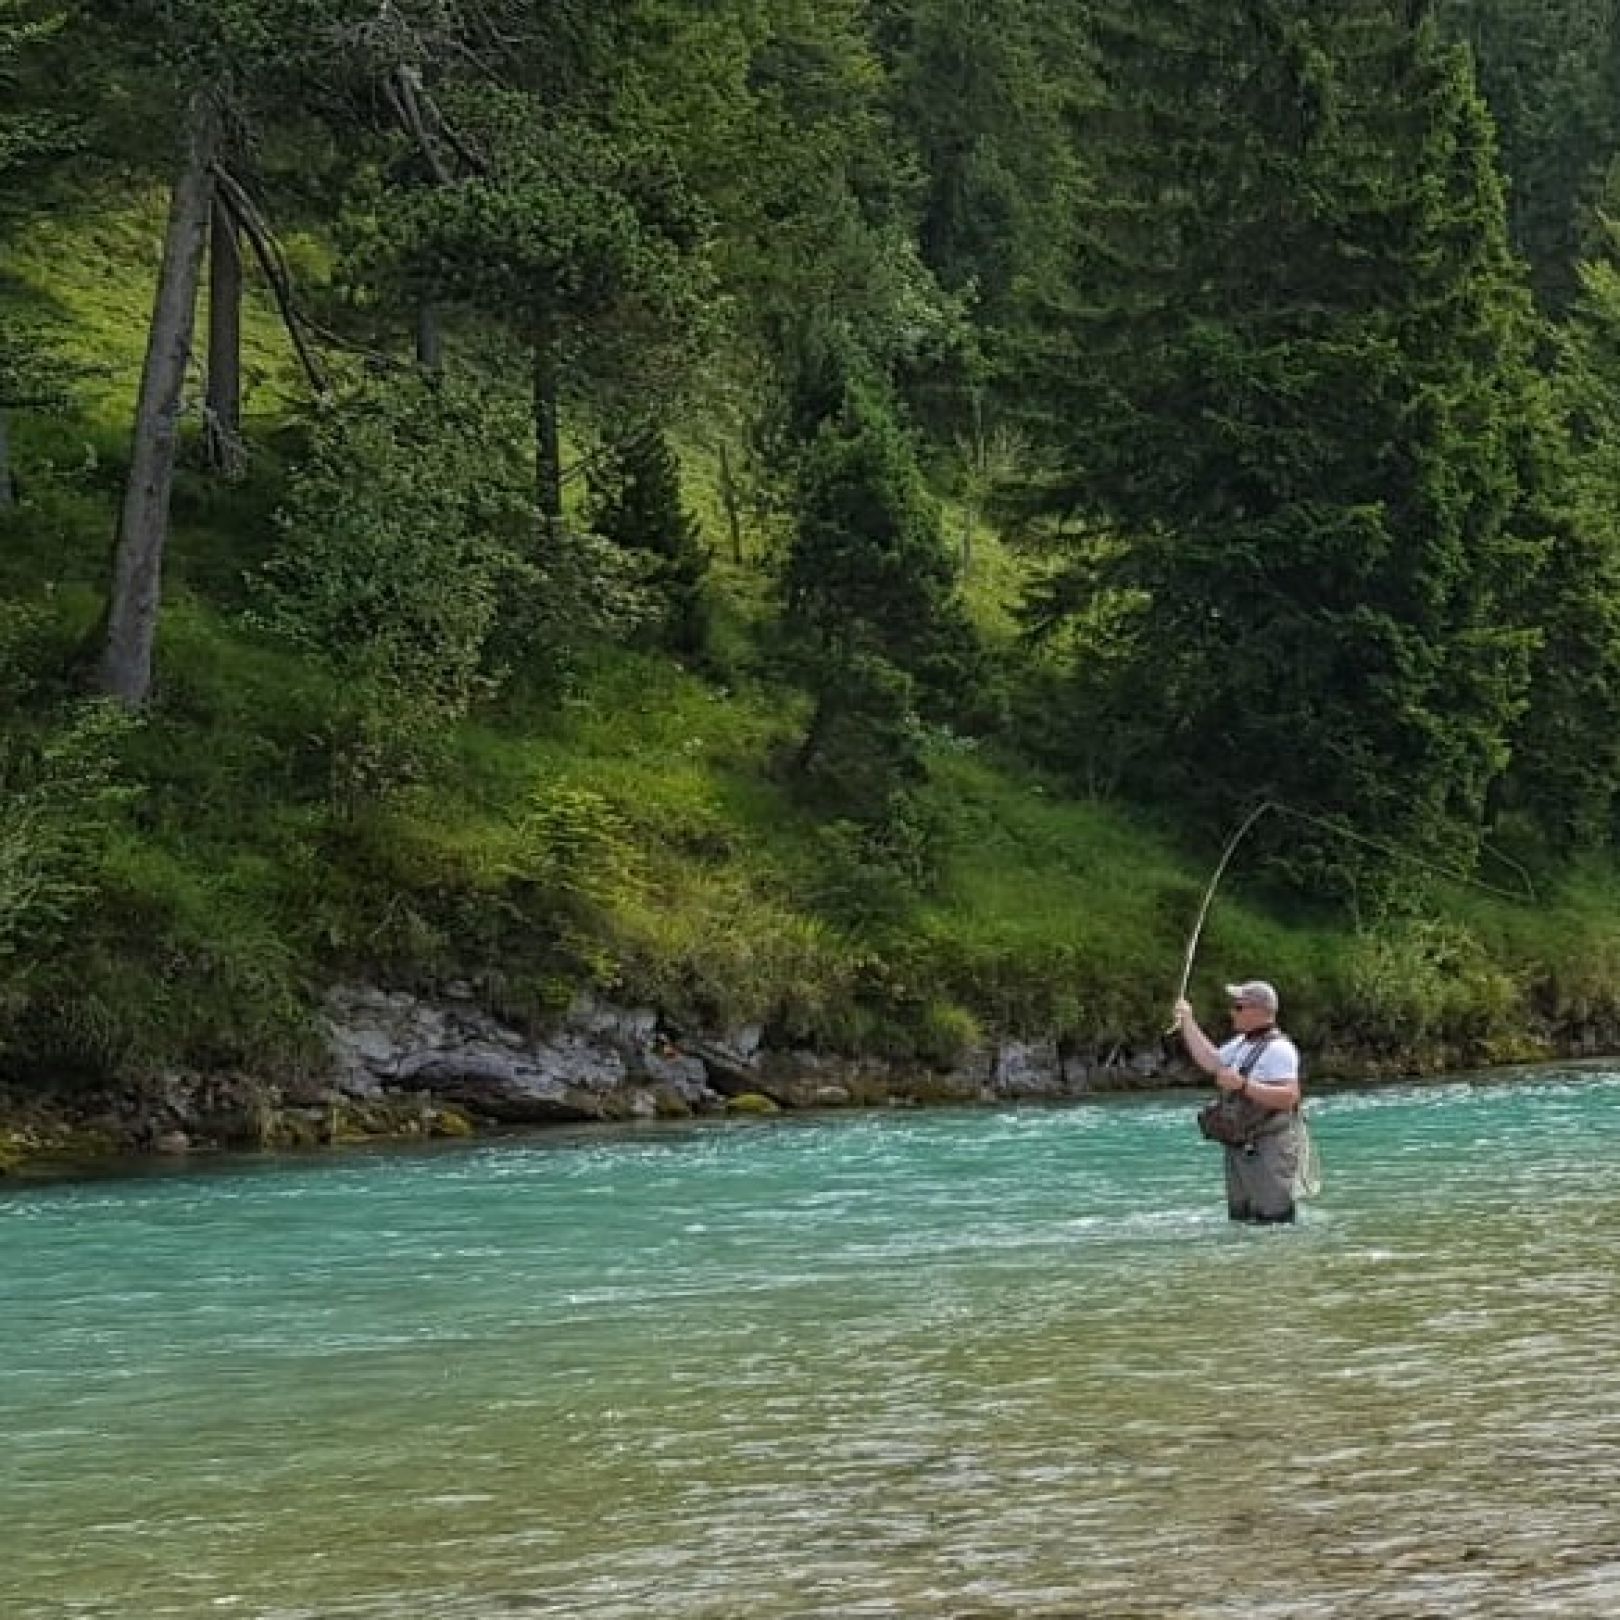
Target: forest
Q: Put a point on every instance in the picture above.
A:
(814, 513)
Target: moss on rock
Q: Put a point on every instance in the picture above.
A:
(752, 1102)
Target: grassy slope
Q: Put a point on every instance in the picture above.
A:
(635, 837)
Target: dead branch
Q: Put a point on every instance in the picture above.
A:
(267, 250)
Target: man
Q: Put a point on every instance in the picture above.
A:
(1257, 1072)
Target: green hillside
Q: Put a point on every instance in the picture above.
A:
(799, 576)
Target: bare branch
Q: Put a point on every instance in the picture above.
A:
(274, 264)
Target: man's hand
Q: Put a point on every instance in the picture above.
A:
(1182, 1013)
(1229, 1079)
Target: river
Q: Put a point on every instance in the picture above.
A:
(909, 1365)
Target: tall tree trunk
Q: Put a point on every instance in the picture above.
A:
(729, 499)
(143, 525)
(8, 490)
(224, 341)
(547, 430)
(979, 463)
(429, 338)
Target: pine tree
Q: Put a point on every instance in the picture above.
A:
(636, 502)
(208, 67)
(872, 607)
(1286, 385)
(981, 88)
(1566, 757)
(586, 242)
(1547, 69)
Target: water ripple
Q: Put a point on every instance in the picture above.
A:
(969, 1365)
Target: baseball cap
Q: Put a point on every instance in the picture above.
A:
(1256, 991)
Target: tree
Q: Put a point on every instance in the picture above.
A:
(1288, 379)
(636, 503)
(214, 61)
(1566, 755)
(1547, 69)
(29, 137)
(586, 244)
(818, 246)
(143, 526)
(871, 606)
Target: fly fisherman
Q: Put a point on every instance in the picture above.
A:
(1256, 1117)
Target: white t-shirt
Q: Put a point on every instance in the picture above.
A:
(1279, 1062)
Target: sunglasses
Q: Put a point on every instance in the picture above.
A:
(1238, 1006)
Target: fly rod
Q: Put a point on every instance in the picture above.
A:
(1209, 894)
(1266, 805)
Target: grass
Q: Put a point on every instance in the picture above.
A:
(635, 834)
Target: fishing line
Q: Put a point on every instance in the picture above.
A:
(1268, 806)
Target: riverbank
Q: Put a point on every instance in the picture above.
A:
(403, 1067)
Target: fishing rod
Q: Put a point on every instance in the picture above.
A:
(1209, 894)
(1268, 806)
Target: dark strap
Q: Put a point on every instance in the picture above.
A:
(1245, 1065)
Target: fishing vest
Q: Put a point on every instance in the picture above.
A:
(1245, 1119)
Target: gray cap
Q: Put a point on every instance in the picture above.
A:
(1256, 991)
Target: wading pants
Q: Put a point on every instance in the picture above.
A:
(1260, 1178)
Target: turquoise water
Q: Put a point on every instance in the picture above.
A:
(909, 1365)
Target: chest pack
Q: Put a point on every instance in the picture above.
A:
(1234, 1120)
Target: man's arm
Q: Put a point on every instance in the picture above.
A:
(1275, 1095)
(1279, 1091)
(1200, 1048)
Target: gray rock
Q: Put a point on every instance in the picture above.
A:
(576, 1061)
(1028, 1070)
(373, 1047)
(499, 1085)
(679, 1073)
(624, 1026)
(744, 1041)
(728, 1074)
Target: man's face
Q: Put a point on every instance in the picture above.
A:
(1249, 1015)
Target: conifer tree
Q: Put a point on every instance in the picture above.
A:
(586, 242)
(636, 502)
(871, 606)
(206, 66)
(1547, 69)
(1566, 757)
(1286, 384)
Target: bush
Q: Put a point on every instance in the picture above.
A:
(62, 796)
(1425, 979)
(412, 568)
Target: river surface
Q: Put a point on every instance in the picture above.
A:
(912, 1365)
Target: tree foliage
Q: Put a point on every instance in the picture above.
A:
(1291, 390)
(1227, 309)
(871, 602)
(408, 568)
(637, 503)
(1549, 70)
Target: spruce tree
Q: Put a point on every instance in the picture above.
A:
(1285, 388)
(636, 502)
(1547, 71)
(871, 606)
(1566, 758)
